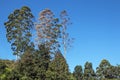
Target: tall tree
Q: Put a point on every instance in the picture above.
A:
(51, 30)
(89, 73)
(48, 30)
(18, 29)
(78, 72)
(66, 40)
(102, 69)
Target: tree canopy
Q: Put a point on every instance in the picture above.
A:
(18, 29)
(46, 62)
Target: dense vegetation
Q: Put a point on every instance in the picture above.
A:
(45, 60)
(105, 71)
(36, 67)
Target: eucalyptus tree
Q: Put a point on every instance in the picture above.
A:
(52, 31)
(48, 30)
(66, 40)
(18, 29)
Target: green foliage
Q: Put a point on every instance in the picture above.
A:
(58, 68)
(71, 76)
(78, 72)
(34, 64)
(2, 67)
(6, 67)
(25, 65)
(102, 69)
(41, 61)
(18, 29)
(31, 67)
(13, 75)
(106, 71)
(89, 73)
(46, 62)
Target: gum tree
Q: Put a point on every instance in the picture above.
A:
(48, 30)
(18, 29)
(66, 40)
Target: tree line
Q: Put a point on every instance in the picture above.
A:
(105, 71)
(34, 67)
(43, 59)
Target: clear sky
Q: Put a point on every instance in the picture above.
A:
(96, 28)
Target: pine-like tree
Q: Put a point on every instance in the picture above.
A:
(89, 73)
(78, 72)
(41, 60)
(102, 69)
(58, 68)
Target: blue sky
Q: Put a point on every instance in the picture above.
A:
(96, 28)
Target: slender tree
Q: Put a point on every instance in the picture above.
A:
(18, 29)
(48, 30)
(66, 40)
(51, 30)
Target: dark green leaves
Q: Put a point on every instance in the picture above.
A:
(78, 72)
(18, 29)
